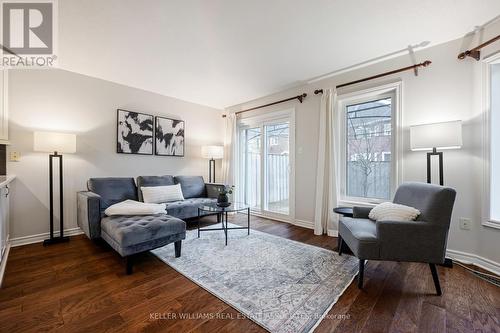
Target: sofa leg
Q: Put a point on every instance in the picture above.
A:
(129, 265)
(361, 272)
(177, 246)
(340, 245)
(435, 277)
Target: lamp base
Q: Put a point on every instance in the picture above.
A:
(55, 240)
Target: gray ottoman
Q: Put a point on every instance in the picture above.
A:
(129, 235)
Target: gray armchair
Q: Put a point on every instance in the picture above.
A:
(423, 240)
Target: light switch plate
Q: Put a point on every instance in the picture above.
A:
(15, 156)
(465, 223)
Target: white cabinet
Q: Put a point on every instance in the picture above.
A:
(4, 111)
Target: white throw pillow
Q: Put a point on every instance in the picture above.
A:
(132, 207)
(389, 211)
(159, 194)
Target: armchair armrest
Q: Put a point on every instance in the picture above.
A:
(89, 213)
(361, 212)
(412, 241)
(212, 189)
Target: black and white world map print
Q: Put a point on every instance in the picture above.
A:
(169, 137)
(135, 133)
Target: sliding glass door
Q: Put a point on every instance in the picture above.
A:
(251, 172)
(277, 165)
(265, 165)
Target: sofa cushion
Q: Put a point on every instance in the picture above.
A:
(192, 186)
(113, 190)
(361, 237)
(131, 230)
(150, 181)
(188, 208)
(160, 194)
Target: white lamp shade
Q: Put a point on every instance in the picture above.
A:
(54, 142)
(446, 135)
(215, 152)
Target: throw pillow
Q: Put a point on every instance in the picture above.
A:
(389, 211)
(132, 207)
(159, 194)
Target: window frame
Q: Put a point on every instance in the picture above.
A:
(486, 219)
(393, 90)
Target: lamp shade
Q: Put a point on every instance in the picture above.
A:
(54, 142)
(445, 135)
(215, 152)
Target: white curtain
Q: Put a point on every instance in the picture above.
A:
(326, 175)
(228, 162)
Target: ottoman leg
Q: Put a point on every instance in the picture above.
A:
(177, 246)
(130, 262)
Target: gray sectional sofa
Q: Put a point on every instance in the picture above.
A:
(130, 235)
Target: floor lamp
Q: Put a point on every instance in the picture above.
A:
(446, 135)
(212, 153)
(56, 144)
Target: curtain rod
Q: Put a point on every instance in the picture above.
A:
(414, 67)
(299, 97)
(476, 52)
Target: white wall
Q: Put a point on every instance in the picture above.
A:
(447, 90)
(58, 100)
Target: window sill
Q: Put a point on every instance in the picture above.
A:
(352, 203)
(491, 223)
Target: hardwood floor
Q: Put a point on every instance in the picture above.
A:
(81, 286)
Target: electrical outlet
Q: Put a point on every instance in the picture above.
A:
(465, 223)
(15, 156)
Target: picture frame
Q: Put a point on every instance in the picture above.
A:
(169, 137)
(135, 132)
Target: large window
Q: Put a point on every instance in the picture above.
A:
(368, 145)
(492, 153)
(265, 164)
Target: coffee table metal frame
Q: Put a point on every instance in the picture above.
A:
(221, 213)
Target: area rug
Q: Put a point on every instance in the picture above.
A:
(282, 285)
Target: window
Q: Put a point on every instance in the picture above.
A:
(369, 143)
(495, 142)
(491, 214)
(265, 164)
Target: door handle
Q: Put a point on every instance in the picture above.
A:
(8, 191)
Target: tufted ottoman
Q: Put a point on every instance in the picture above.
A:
(129, 235)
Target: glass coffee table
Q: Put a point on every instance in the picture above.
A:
(221, 212)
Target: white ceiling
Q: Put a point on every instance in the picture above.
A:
(224, 52)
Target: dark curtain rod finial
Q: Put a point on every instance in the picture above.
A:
(476, 52)
(318, 91)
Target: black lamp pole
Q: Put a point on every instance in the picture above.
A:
(61, 238)
(429, 155)
(211, 170)
(447, 261)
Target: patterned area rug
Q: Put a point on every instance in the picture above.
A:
(282, 285)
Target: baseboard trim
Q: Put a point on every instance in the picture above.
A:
(25, 240)
(3, 265)
(469, 258)
(303, 224)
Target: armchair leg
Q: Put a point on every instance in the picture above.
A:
(435, 277)
(340, 245)
(361, 272)
(177, 246)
